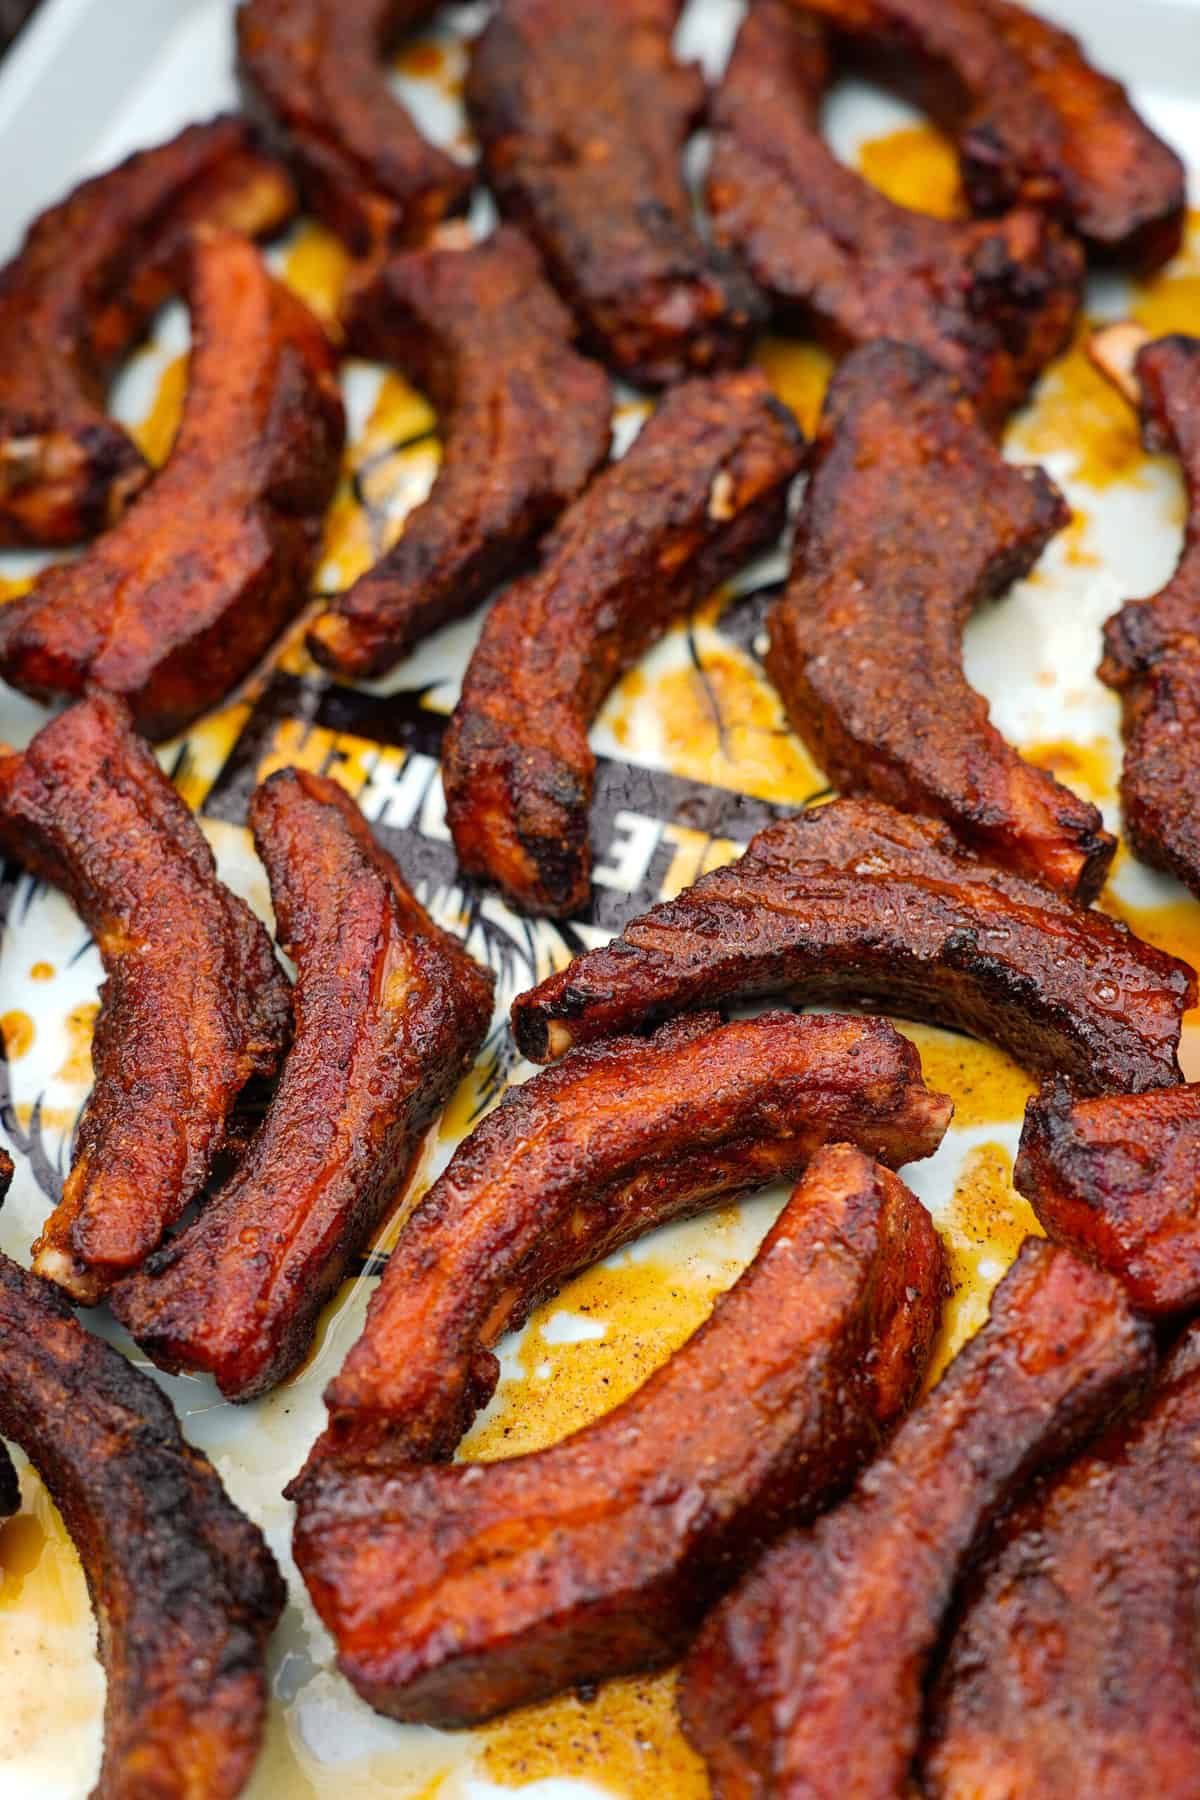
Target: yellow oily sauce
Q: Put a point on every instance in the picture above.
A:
(986, 1086)
(798, 373)
(917, 167)
(156, 432)
(76, 1068)
(1170, 301)
(1075, 408)
(17, 1032)
(42, 971)
(12, 585)
(315, 266)
(391, 480)
(982, 1228)
(1090, 769)
(720, 723)
(627, 1740)
(646, 1311)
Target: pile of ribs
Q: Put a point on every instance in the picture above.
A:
(875, 1585)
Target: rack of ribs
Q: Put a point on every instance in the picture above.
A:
(911, 520)
(194, 1004)
(458, 1590)
(525, 422)
(582, 113)
(991, 301)
(178, 602)
(84, 285)
(703, 487)
(389, 1014)
(806, 1682)
(855, 901)
(314, 72)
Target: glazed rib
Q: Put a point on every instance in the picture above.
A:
(1118, 1179)
(1035, 121)
(704, 486)
(1074, 1669)
(177, 603)
(185, 1589)
(1152, 647)
(582, 113)
(314, 71)
(582, 1158)
(806, 1682)
(193, 1005)
(990, 301)
(82, 288)
(911, 520)
(857, 901)
(460, 1590)
(525, 422)
(389, 1013)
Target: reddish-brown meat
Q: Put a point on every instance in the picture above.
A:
(525, 423)
(315, 71)
(911, 520)
(704, 486)
(855, 900)
(1152, 647)
(1036, 122)
(806, 1682)
(582, 113)
(1074, 1673)
(458, 1591)
(185, 1589)
(613, 1141)
(1118, 1179)
(81, 289)
(177, 603)
(389, 1013)
(991, 302)
(194, 1003)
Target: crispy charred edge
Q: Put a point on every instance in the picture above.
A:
(185, 1589)
(313, 72)
(807, 1680)
(525, 424)
(239, 1293)
(614, 1140)
(1117, 1179)
(87, 808)
(704, 485)
(991, 301)
(582, 114)
(1151, 657)
(924, 575)
(175, 605)
(91, 272)
(830, 1330)
(1035, 121)
(1071, 1670)
(827, 905)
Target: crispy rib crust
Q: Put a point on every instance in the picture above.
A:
(582, 113)
(463, 1589)
(1152, 647)
(525, 422)
(704, 486)
(83, 286)
(582, 1158)
(185, 1589)
(1074, 1669)
(193, 1005)
(389, 1013)
(857, 901)
(314, 71)
(805, 1684)
(911, 520)
(1036, 122)
(177, 603)
(1118, 1179)
(991, 301)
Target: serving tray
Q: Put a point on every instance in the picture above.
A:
(694, 757)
